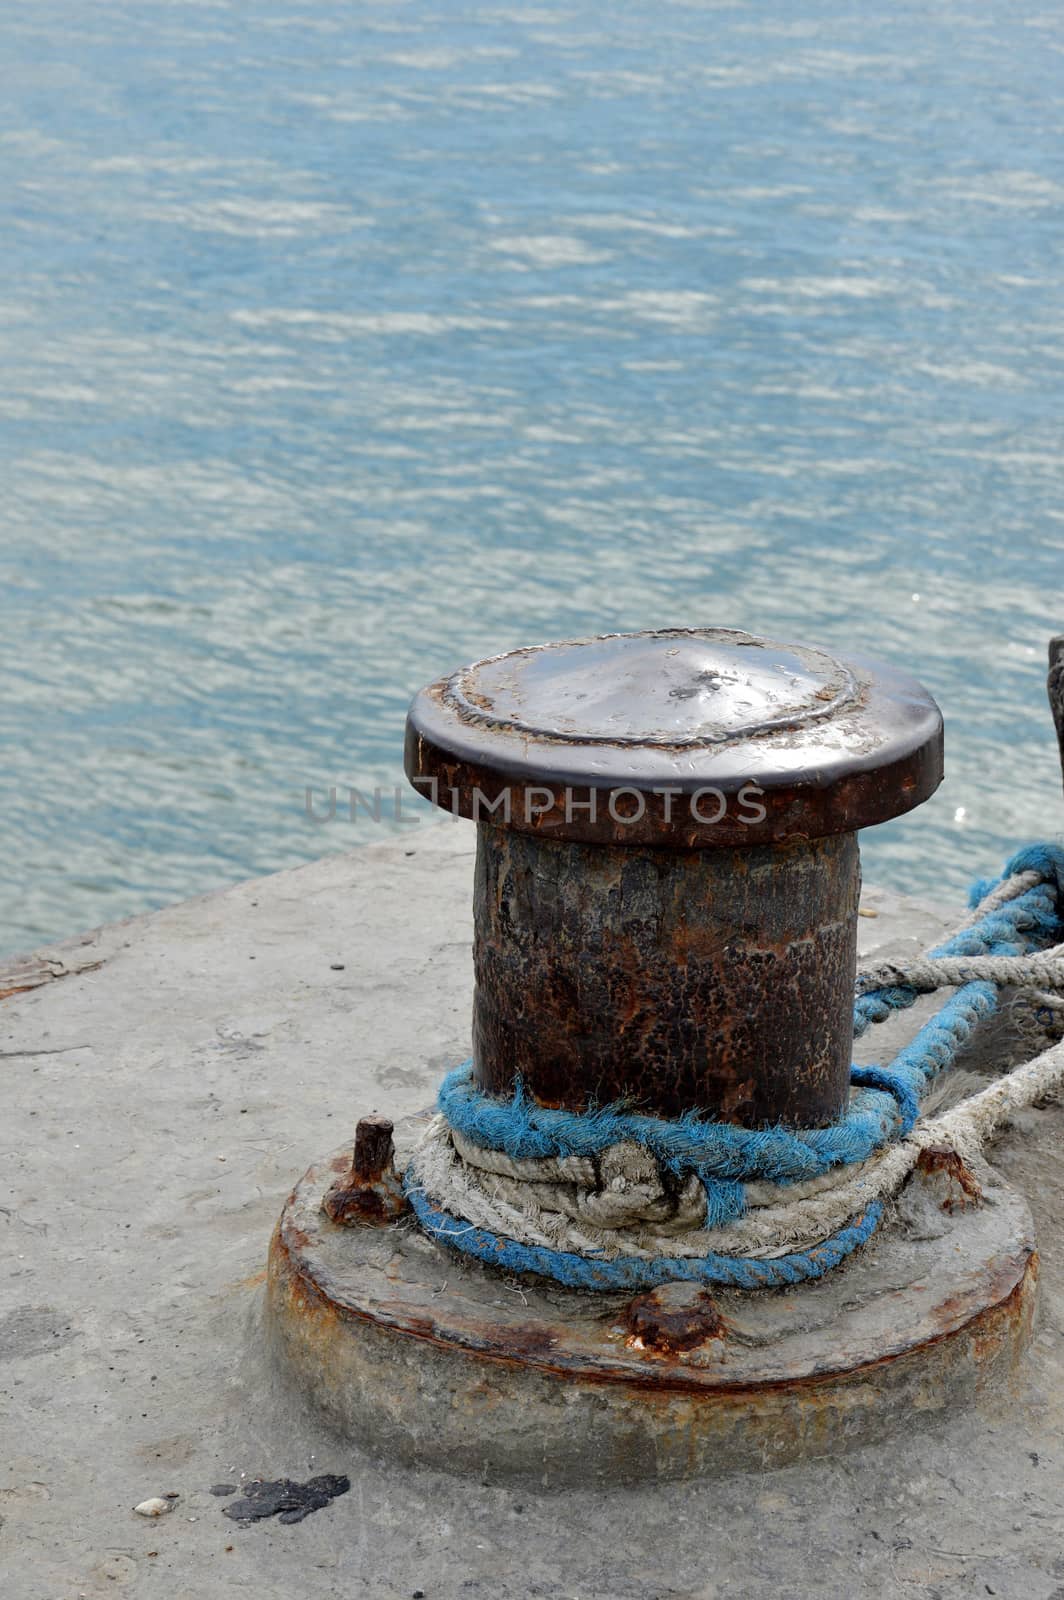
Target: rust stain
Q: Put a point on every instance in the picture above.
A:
(250, 1283)
(1006, 1295)
(32, 973)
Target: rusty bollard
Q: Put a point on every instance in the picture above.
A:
(667, 870)
(371, 1192)
(665, 912)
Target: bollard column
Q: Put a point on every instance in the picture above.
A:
(667, 865)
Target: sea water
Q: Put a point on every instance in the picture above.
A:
(342, 344)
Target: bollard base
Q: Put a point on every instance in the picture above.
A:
(438, 1361)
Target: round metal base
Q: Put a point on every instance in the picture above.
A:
(417, 1353)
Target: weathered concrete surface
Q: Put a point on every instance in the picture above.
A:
(157, 1111)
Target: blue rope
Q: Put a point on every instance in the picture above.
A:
(895, 1084)
(885, 1107)
(638, 1272)
(522, 1128)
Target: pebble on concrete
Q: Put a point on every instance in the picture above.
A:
(154, 1507)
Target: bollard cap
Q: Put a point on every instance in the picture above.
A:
(690, 738)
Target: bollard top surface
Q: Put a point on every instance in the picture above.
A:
(692, 738)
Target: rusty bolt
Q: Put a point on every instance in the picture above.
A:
(371, 1190)
(374, 1148)
(678, 1316)
(949, 1181)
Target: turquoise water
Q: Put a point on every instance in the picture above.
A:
(342, 344)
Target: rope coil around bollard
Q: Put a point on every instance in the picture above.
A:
(613, 1200)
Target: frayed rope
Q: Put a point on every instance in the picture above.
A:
(1018, 914)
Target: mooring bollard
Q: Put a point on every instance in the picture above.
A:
(667, 871)
(665, 908)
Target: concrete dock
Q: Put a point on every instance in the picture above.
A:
(168, 1079)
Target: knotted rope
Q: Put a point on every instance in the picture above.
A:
(612, 1199)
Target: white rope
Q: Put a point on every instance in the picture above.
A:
(544, 1169)
(767, 1230)
(1010, 889)
(927, 973)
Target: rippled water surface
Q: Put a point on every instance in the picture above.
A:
(344, 343)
